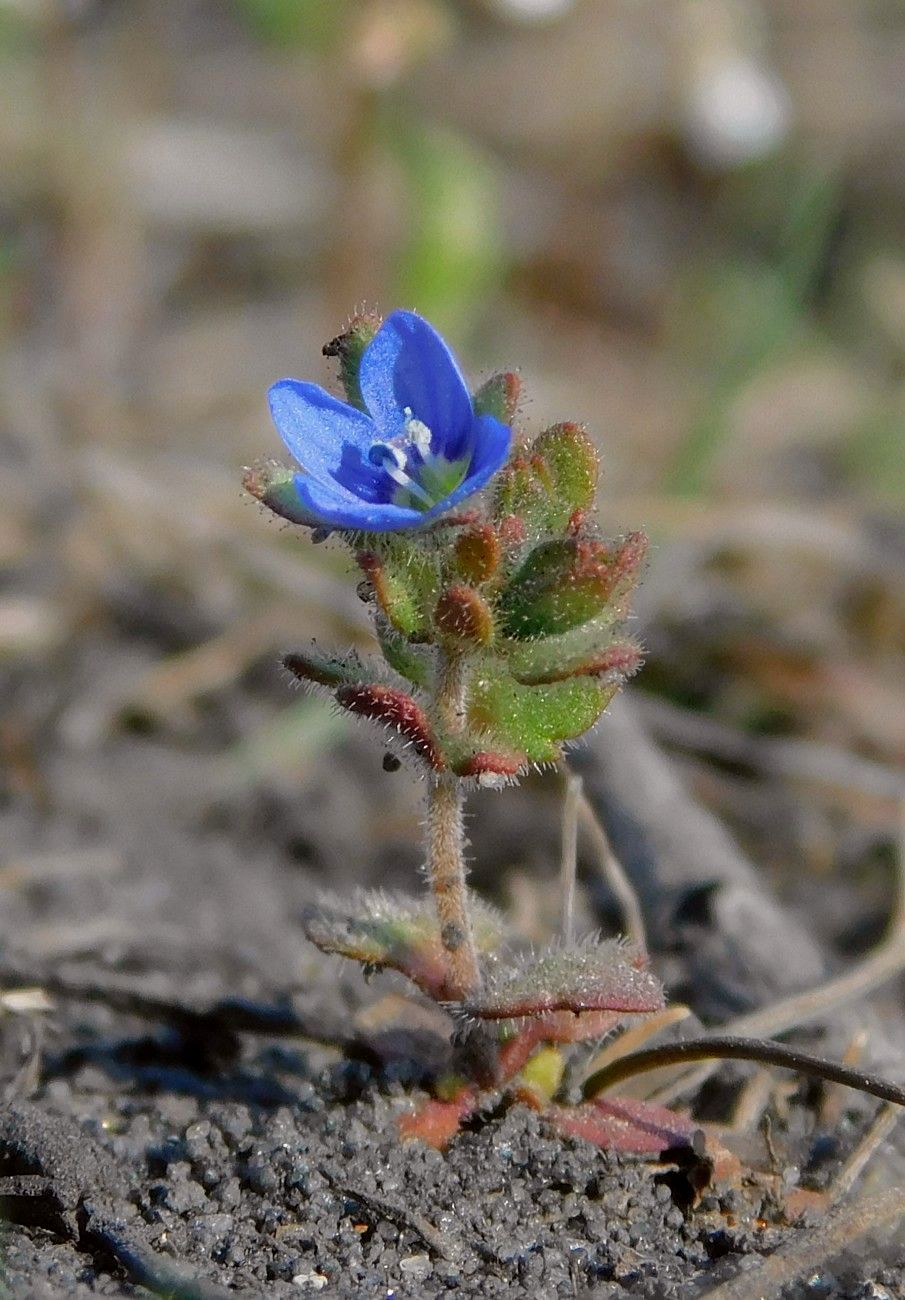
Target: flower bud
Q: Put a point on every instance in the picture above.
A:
(462, 615)
(499, 397)
(348, 347)
(477, 553)
(552, 483)
(573, 465)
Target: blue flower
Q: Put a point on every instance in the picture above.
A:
(418, 449)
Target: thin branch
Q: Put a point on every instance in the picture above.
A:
(613, 872)
(811, 1248)
(761, 1051)
(883, 1124)
(883, 964)
(403, 1216)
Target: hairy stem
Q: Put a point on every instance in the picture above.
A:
(446, 841)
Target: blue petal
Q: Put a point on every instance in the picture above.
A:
(316, 426)
(408, 366)
(335, 507)
(491, 441)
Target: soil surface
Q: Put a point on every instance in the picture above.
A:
(170, 1123)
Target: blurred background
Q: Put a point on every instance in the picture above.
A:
(682, 220)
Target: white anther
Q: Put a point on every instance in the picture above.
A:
(419, 434)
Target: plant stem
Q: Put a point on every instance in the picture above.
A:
(446, 841)
(762, 1050)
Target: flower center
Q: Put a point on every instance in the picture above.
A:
(423, 476)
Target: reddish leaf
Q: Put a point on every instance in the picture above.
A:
(592, 976)
(625, 1124)
(437, 1122)
(398, 710)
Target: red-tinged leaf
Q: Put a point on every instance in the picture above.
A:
(625, 1124)
(382, 929)
(323, 669)
(397, 710)
(565, 582)
(437, 1122)
(557, 1027)
(555, 659)
(591, 976)
(492, 763)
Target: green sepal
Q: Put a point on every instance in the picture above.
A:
(405, 581)
(409, 660)
(274, 486)
(349, 348)
(533, 720)
(498, 397)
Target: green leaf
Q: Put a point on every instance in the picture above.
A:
(533, 720)
(593, 975)
(566, 582)
(313, 665)
(587, 650)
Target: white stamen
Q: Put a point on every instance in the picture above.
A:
(384, 454)
(420, 435)
(392, 460)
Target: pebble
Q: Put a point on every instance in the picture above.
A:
(310, 1281)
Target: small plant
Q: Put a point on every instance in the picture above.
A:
(497, 609)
